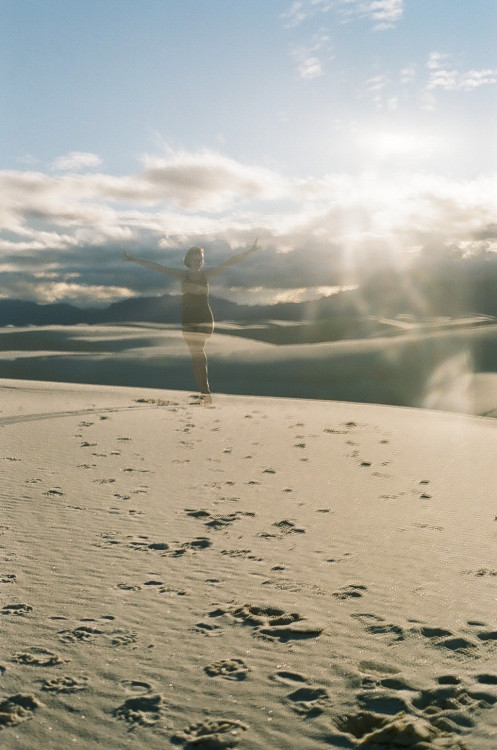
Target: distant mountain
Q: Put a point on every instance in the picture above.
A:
(382, 295)
(165, 309)
(22, 312)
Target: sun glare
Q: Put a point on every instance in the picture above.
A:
(387, 144)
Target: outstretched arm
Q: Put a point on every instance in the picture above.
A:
(232, 261)
(176, 272)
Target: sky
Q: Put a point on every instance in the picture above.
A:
(347, 135)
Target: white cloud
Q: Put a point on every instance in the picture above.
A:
(80, 224)
(376, 85)
(206, 180)
(309, 57)
(310, 67)
(75, 161)
(408, 75)
(302, 10)
(384, 14)
(473, 79)
(294, 15)
(442, 76)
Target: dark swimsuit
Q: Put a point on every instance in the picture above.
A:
(196, 314)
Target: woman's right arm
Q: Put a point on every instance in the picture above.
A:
(176, 272)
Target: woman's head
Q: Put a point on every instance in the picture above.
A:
(194, 257)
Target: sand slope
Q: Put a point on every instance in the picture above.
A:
(262, 573)
(451, 369)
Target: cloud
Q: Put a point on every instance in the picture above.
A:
(294, 15)
(450, 79)
(206, 180)
(316, 231)
(309, 57)
(384, 14)
(75, 161)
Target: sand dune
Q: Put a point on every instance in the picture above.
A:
(261, 573)
(452, 368)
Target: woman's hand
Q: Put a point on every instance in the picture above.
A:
(127, 257)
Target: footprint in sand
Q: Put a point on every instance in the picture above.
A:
(449, 679)
(289, 678)
(352, 591)
(230, 669)
(65, 684)
(216, 521)
(136, 686)
(196, 545)
(19, 610)
(18, 708)
(486, 679)
(38, 657)
(246, 553)
(210, 629)
(271, 622)
(128, 586)
(442, 638)
(369, 665)
(482, 572)
(122, 637)
(173, 591)
(452, 698)
(144, 710)
(90, 633)
(142, 543)
(375, 730)
(378, 700)
(308, 701)
(283, 528)
(487, 635)
(396, 714)
(8, 578)
(81, 633)
(211, 733)
(377, 626)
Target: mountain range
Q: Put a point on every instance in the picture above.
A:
(383, 295)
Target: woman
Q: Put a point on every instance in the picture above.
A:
(197, 322)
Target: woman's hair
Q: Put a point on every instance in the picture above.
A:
(191, 252)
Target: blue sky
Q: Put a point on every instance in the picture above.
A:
(336, 130)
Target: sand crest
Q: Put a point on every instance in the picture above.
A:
(259, 573)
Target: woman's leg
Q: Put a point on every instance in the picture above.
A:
(196, 344)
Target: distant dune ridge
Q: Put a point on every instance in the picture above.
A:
(259, 573)
(448, 364)
(422, 336)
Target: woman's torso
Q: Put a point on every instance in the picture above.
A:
(195, 298)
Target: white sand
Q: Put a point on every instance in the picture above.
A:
(266, 573)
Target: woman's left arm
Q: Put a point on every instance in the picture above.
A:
(210, 272)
